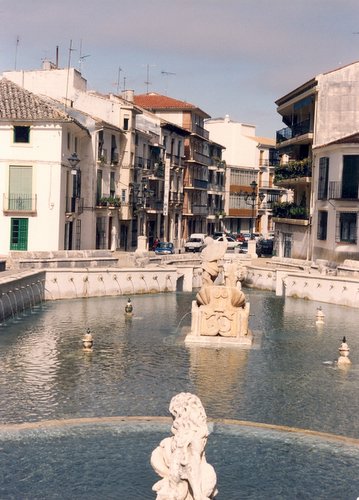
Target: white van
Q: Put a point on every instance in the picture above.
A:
(195, 242)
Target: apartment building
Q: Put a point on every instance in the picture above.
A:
(249, 160)
(110, 121)
(46, 174)
(320, 163)
(158, 180)
(198, 161)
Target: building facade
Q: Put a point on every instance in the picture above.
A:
(45, 174)
(318, 152)
(198, 162)
(248, 159)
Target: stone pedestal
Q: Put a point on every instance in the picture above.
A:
(220, 317)
(142, 243)
(252, 248)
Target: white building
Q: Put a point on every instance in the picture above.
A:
(321, 142)
(111, 121)
(42, 192)
(248, 159)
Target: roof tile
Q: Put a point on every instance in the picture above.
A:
(17, 103)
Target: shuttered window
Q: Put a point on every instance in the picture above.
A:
(20, 187)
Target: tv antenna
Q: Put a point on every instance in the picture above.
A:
(147, 82)
(118, 80)
(81, 58)
(167, 74)
(16, 49)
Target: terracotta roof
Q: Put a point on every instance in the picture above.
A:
(266, 141)
(17, 103)
(157, 102)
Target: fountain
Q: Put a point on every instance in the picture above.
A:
(220, 312)
(100, 412)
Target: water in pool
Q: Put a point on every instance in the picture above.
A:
(139, 363)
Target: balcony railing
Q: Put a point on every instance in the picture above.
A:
(285, 134)
(201, 158)
(269, 162)
(151, 204)
(74, 205)
(341, 191)
(293, 169)
(199, 209)
(197, 129)
(19, 203)
(176, 198)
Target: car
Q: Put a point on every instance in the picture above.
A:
(195, 242)
(264, 246)
(243, 248)
(164, 248)
(240, 237)
(232, 243)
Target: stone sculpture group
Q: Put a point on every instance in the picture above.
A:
(180, 459)
(220, 312)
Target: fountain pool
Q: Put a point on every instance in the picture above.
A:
(135, 368)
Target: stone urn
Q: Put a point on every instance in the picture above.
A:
(87, 341)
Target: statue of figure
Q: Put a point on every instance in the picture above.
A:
(113, 238)
(212, 253)
(180, 460)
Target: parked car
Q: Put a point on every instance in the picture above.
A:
(164, 248)
(243, 248)
(264, 247)
(232, 243)
(240, 237)
(195, 242)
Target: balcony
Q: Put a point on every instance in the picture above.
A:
(288, 133)
(102, 156)
(199, 209)
(176, 198)
(74, 205)
(342, 191)
(295, 169)
(286, 211)
(20, 203)
(196, 184)
(152, 205)
(197, 129)
(201, 158)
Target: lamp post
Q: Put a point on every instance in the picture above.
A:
(74, 160)
(251, 199)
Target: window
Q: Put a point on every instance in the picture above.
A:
(19, 233)
(22, 134)
(20, 187)
(123, 196)
(323, 178)
(242, 177)
(350, 177)
(126, 122)
(112, 184)
(346, 230)
(99, 186)
(179, 150)
(322, 225)
(68, 141)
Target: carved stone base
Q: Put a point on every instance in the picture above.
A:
(220, 317)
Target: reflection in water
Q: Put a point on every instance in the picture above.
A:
(218, 371)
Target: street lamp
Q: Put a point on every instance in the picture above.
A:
(251, 199)
(74, 160)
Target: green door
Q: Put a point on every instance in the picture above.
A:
(19, 232)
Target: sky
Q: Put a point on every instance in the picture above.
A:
(228, 57)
